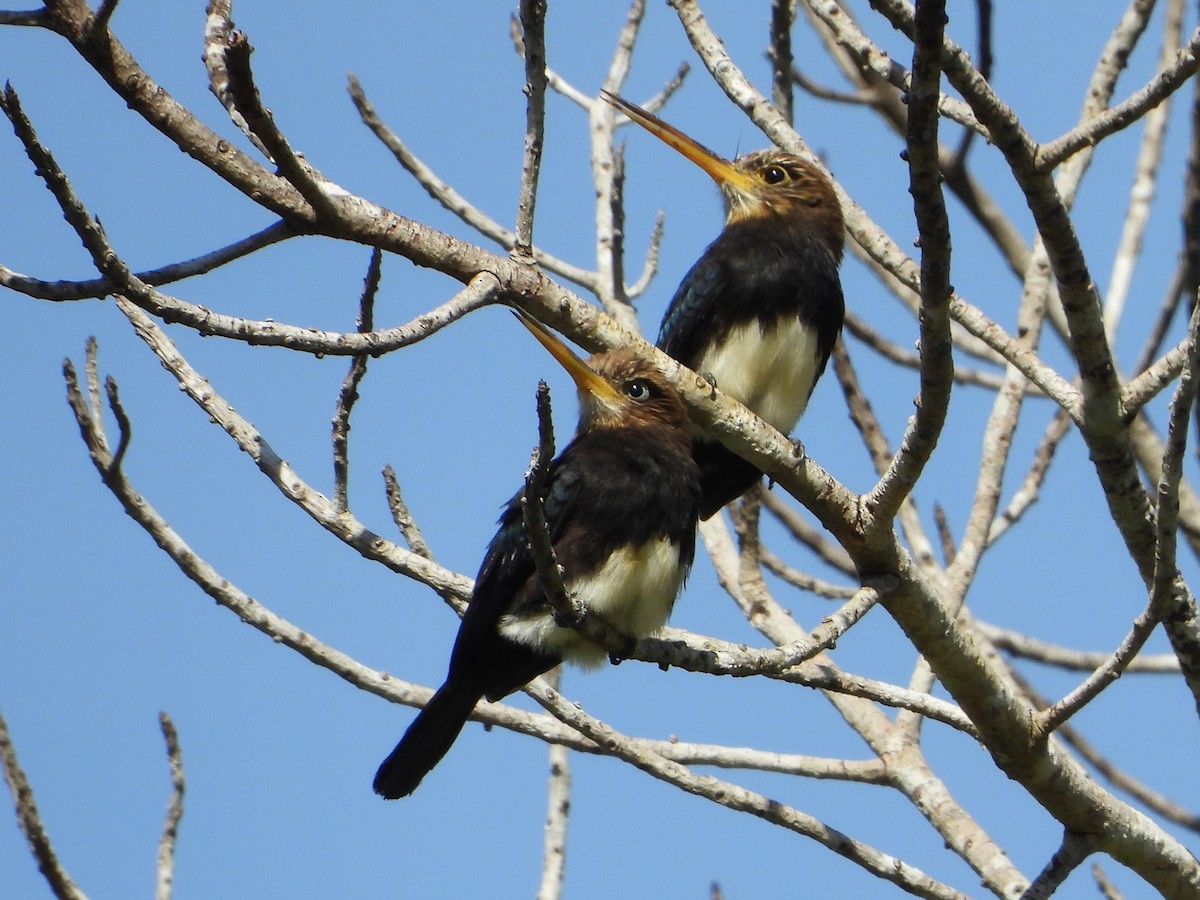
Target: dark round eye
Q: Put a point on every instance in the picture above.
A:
(774, 174)
(638, 389)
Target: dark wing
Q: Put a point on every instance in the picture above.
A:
(481, 656)
(749, 274)
(483, 664)
(686, 322)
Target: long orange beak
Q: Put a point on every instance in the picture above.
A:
(721, 170)
(585, 379)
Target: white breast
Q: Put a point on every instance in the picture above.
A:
(770, 373)
(633, 591)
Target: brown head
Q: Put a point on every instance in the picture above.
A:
(760, 185)
(617, 388)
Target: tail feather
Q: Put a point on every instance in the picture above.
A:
(427, 740)
(724, 476)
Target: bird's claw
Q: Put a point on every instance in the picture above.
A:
(711, 380)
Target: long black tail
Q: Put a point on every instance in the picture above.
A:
(427, 740)
(724, 476)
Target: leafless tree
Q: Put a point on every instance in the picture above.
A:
(874, 554)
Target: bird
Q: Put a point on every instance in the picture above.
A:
(759, 312)
(621, 509)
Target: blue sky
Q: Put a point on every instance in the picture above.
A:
(99, 631)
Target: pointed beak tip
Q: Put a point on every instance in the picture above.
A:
(715, 166)
(582, 374)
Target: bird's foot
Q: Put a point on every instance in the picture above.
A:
(624, 651)
(798, 449)
(712, 384)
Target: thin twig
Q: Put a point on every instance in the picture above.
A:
(1107, 889)
(1139, 391)
(92, 374)
(808, 535)
(348, 395)
(1172, 297)
(1109, 671)
(650, 266)
(608, 180)
(558, 807)
(311, 184)
(125, 429)
(218, 36)
(945, 533)
(166, 844)
(1166, 585)
(481, 289)
(998, 437)
(802, 580)
(933, 226)
(1153, 800)
(402, 516)
(1190, 262)
(869, 428)
(103, 16)
(30, 821)
(1025, 646)
(779, 52)
(1070, 855)
(1145, 178)
(451, 199)
(568, 611)
(983, 16)
(735, 797)
(858, 328)
(59, 291)
(1029, 491)
(1052, 153)
(533, 25)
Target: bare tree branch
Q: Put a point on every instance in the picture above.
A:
(533, 23)
(1117, 777)
(449, 198)
(569, 611)
(737, 798)
(30, 821)
(933, 227)
(1027, 647)
(875, 549)
(558, 806)
(1138, 105)
(1070, 855)
(218, 37)
(779, 52)
(1106, 887)
(1141, 192)
(60, 291)
(403, 517)
(348, 395)
(166, 844)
